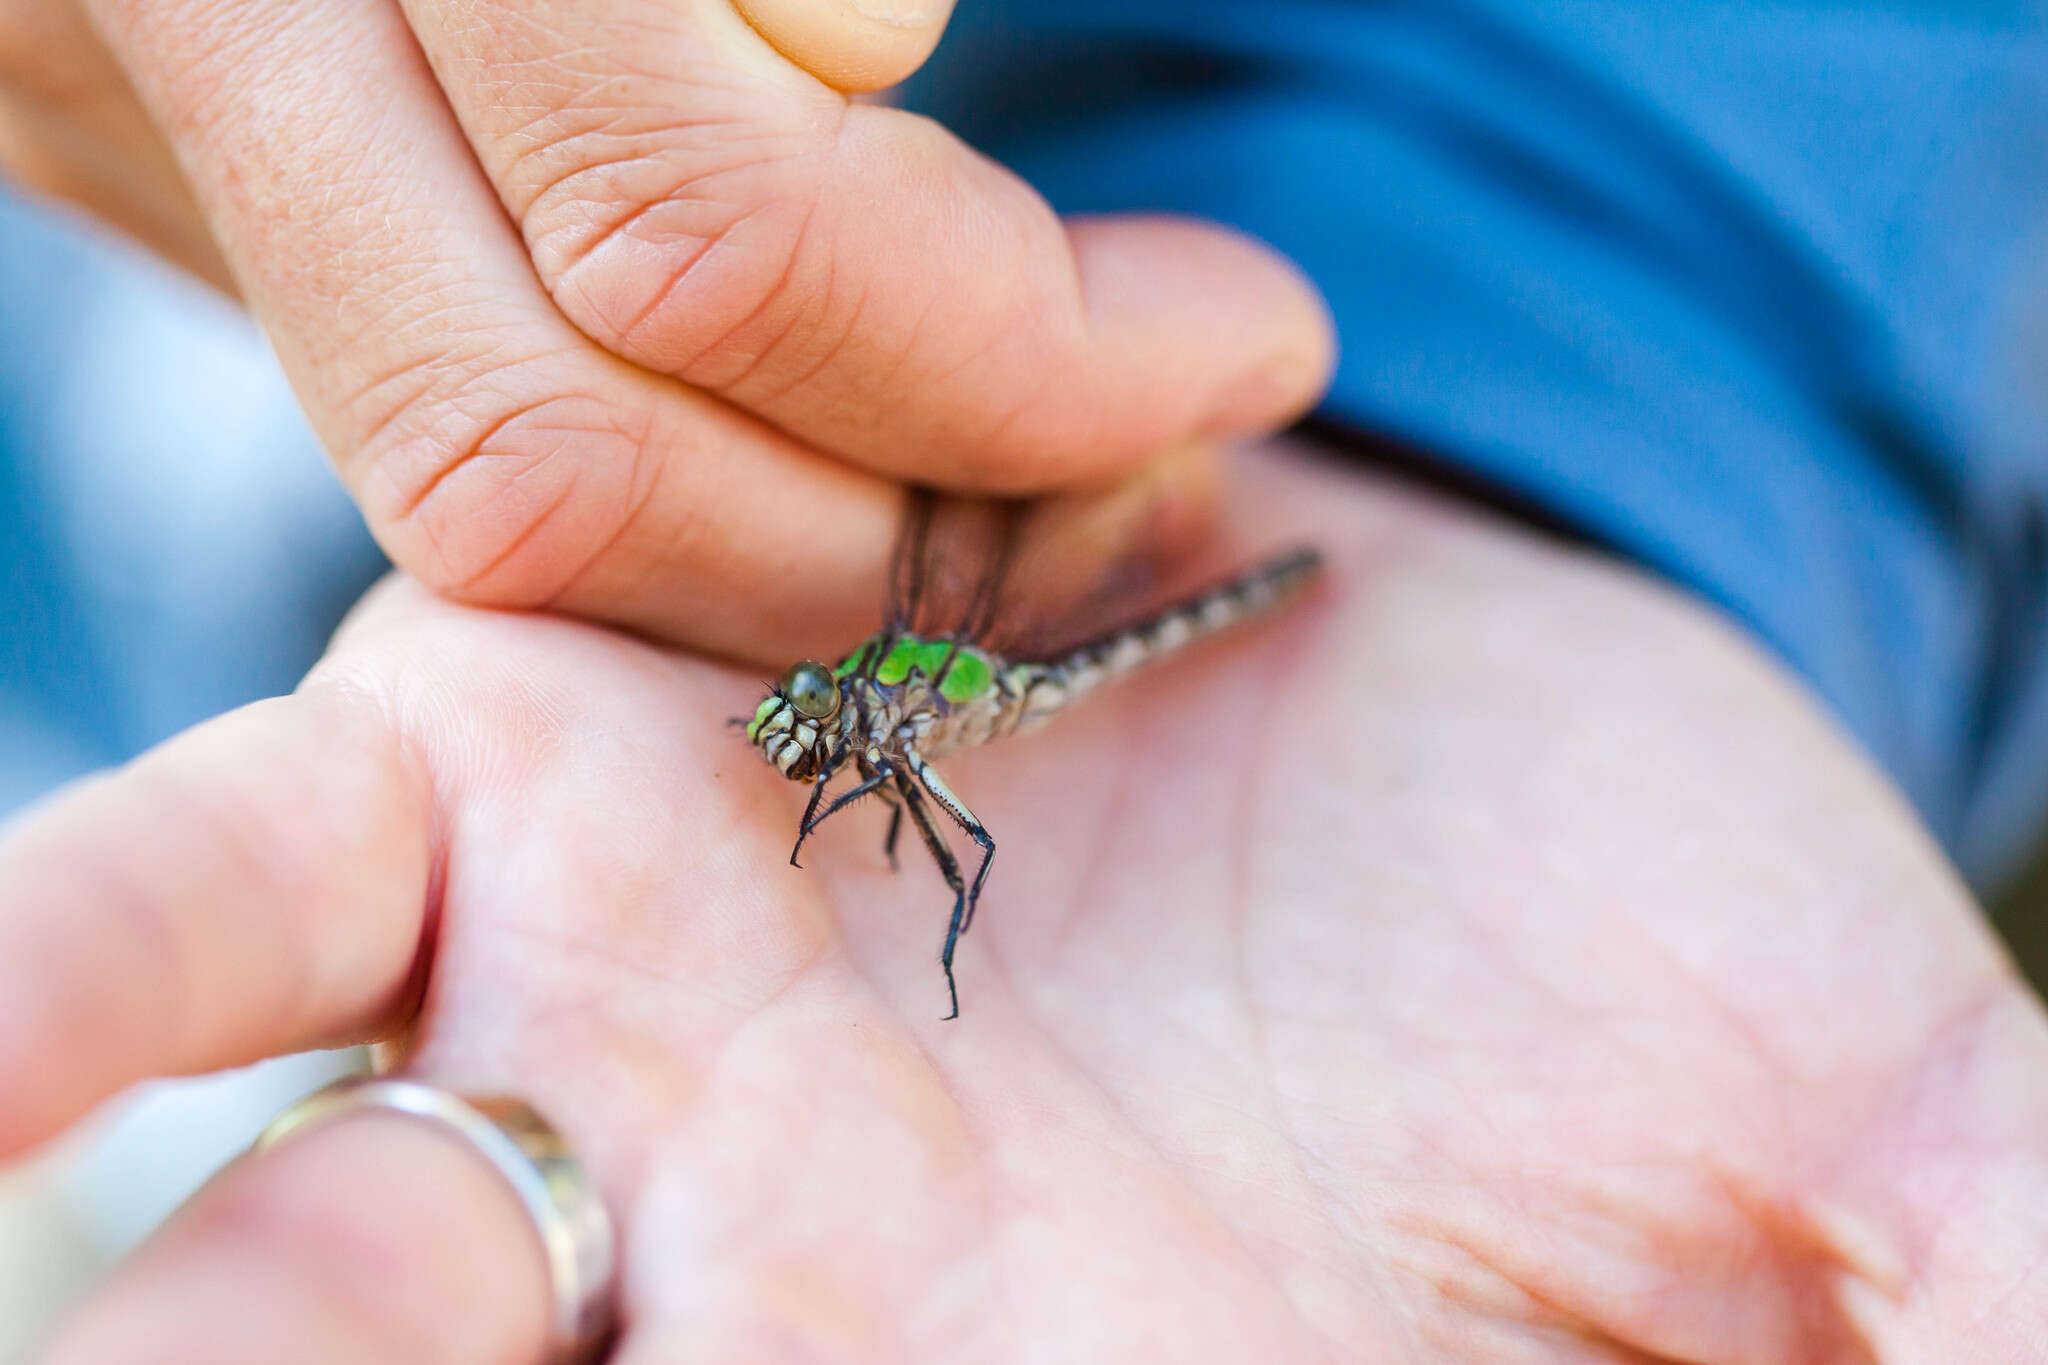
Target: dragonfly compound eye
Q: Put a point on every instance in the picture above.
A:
(811, 689)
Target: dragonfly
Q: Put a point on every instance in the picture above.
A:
(932, 681)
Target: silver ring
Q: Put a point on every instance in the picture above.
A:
(575, 1232)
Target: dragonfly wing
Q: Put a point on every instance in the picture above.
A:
(953, 558)
(907, 565)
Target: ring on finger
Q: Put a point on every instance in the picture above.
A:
(532, 1158)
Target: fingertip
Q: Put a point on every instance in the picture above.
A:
(1287, 382)
(853, 46)
(254, 886)
(1245, 333)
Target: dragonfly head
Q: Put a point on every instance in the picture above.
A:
(792, 727)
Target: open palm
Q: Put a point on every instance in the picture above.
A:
(1486, 960)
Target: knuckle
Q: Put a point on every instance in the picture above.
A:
(663, 241)
(491, 497)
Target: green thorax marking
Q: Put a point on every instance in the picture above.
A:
(967, 677)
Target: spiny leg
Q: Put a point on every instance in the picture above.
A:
(867, 769)
(871, 779)
(895, 828)
(824, 780)
(929, 779)
(949, 868)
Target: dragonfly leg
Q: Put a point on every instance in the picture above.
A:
(895, 828)
(803, 826)
(949, 868)
(813, 817)
(928, 778)
(867, 769)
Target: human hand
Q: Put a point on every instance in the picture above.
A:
(611, 307)
(1487, 959)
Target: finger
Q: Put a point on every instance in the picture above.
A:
(851, 45)
(497, 454)
(370, 1239)
(254, 886)
(71, 126)
(854, 274)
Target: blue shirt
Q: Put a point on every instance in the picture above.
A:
(1756, 293)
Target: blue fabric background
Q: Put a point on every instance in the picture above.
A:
(171, 541)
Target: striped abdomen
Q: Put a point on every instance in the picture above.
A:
(1040, 689)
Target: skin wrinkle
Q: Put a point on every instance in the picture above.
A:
(790, 147)
(1448, 1236)
(465, 453)
(1796, 1253)
(634, 512)
(1561, 1319)
(656, 977)
(1505, 1182)
(563, 198)
(1752, 1040)
(457, 344)
(396, 293)
(1193, 1198)
(892, 377)
(943, 1079)
(427, 379)
(831, 351)
(535, 524)
(639, 117)
(775, 294)
(684, 277)
(533, 218)
(1313, 1170)
(520, 424)
(1902, 1104)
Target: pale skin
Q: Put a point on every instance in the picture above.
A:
(611, 307)
(1492, 960)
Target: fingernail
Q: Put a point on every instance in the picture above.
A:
(902, 13)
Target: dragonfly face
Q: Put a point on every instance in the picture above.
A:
(796, 726)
